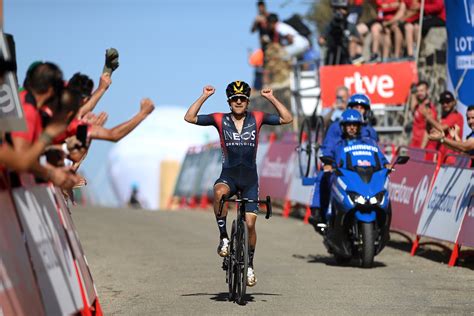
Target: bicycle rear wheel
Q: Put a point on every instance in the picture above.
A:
(242, 257)
(305, 148)
(231, 268)
(319, 134)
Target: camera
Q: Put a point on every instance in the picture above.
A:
(338, 34)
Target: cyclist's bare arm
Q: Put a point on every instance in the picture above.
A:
(191, 114)
(285, 115)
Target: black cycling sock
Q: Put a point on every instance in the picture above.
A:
(221, 223)
(251, 255)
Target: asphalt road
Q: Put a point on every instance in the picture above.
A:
(165, 263)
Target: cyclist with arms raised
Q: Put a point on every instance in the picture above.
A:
(238, 132)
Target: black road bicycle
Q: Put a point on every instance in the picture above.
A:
(236, 264)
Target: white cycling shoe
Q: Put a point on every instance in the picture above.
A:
(251, 278)
(223, 248)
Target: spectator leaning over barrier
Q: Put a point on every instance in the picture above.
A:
(334, 114)
(238, 131)
(320, 198)
(293, 43)
(43, 85)
(454, 142)
(420, 100)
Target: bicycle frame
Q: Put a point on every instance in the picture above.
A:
(237, 262)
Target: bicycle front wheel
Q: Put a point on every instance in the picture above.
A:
(319, 134)
(242, 261)
(231, 268)
(305, 148)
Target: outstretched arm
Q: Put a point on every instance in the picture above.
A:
(191, 114)
(465, 146)
(104, 84)
(120, 131)
(285, 115)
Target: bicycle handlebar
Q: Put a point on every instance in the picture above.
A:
(267, 202)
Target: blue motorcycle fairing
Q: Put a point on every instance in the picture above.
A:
(366, 217)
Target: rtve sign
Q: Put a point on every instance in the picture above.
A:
(387, 83)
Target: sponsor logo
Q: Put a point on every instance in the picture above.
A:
(401, 193)
(464, 202)
(383, 85)
(233, 136)
(6, 99)
(420, 194)
(361, 148)
(442, 203)
(250, 125)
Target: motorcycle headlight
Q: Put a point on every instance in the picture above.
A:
(357, 198)
(379, 198)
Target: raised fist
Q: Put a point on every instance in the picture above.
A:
(147, 106)
(208, 90)
(266, 92)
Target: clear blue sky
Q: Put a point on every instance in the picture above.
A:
(169, 49)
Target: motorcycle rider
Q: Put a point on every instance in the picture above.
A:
(353, 149)
(334, 134)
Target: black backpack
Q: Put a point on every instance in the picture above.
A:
(297, 23)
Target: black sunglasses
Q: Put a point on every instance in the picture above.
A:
(239, 97)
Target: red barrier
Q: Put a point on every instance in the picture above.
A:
(275, 177)
(19, 293)
(83, 271)
(49, 250)
(409, 188)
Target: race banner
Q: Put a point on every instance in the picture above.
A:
(447, 204)
(298, 192)
(466, 234)
(187, 174)
(74, 241)
(11, 112)
(275, 174)
(385, 83)
(460, 54)
(19, 293)
(408, 190)
(211, 169)
(49, 249)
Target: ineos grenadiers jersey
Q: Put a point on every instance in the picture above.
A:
(238, 148)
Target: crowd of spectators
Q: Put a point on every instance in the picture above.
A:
(442, 133)
(60, 125)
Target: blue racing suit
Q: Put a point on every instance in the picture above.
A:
(321, 187)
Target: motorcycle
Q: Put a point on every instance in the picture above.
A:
(359, 215)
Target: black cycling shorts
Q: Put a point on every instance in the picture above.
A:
(242, 179)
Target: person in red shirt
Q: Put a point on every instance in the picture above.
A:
(43, 85)
(434, 15)
(450, 120)
(420, 127)
(389, 13)
(410, 26)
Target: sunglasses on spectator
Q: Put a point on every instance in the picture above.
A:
(239, 97)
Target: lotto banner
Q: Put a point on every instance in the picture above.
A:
(447, 204)
(409, 188)
(385, 83)
(18, 290)
(466, 234)
(460, 55)
(275, 174)
(50, 253)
